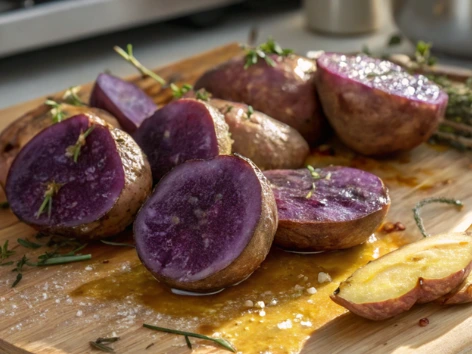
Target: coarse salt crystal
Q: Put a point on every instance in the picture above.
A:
(311, 290)
(306, 323)
(285, 324)
(79, 313)
(248, 303)
(260, 304)
(88, 268)
(262, 313)
(323, 277)
(298, 287)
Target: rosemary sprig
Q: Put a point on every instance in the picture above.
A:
(117, 244)
(56, 111)
(179, 92)
(263, 51)
(189, 344)
(421, 203)
(220, 341)
(51, 189)
(4, 205)
(74, 150)
(29, 244)
(71, 96)
(129, 57)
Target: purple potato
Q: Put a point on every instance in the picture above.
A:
(95, 197)
(126, 101)
(285, 92)
(375, 106)
(183, 130)
(269, 143)
(207, 225)
(327, 209)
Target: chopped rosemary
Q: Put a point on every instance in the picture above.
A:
(19, 276)
(74, 150)
(117, 244)
(29, 244)
(56, 111)
(51, 189)
(19, 269)
(5, 252)
(249, 112)
(102, 347)
(179, 92)
(263, 51)
(71, 96)
(4, 205)
(222, 342)
(421, 203)
(189, 344)
(129, 57)
(202, 95)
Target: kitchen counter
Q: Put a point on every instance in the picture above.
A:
(29, 75)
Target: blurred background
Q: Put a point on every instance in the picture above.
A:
(49, 45)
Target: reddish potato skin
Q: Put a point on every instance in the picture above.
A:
(327, 236)
(461, 295)
(22, 130)
(370, 121)
(269, 143)
(285, 92)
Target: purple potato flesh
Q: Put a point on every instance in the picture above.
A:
(207, 225)
(375, 106)
(124, 100)
(97, 196)
(182, 130)
(285, 91)
(331, 208)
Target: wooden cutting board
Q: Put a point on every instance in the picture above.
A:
(41, 316)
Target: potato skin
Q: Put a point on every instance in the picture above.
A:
(371, 121)
(269, 143)
(327, 236)
(285, 92)
(461, 295)
(254, 253)
(22, 130)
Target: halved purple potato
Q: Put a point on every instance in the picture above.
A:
(96, 196)
(126, 101)
(183, 130)
(328, 209)
(267, 142)
(22, 130)
(285, 91)
(375, 106)
(207, 225)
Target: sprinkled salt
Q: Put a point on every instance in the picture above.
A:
(260, 304)
(311, 290)
(248, 303)
(285, 324)
(79, 313)
(262, 313)
(306, 323)
(88, 268)
(323, 277)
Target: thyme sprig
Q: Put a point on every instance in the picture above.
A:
(220, 341)
(71, 96)
(421, 203)
(179, 92)
(56, 111)
(129, 57)
(51, 189)
(263, 51)
(74, 150)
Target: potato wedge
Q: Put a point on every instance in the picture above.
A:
(420, 272)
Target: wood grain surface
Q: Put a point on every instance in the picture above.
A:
(40, 316)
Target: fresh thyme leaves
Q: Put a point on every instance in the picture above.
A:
(51, 189)
(250, 112)
(179, 92)
(263, 51)
(56, 111)
(421, 203)
(117, 244)
(315, 175)
(29, 244)
(228, 109)
(220, 341)
(423, 54)
(74, 150)
(394, 40)
(202, 95)
(129, 57)
(189, 344)
(5, 252)
(4, 205)
(71, 96)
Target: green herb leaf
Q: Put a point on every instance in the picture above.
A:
(51, 189)
(19, 276)
(202, 95)
(394, 40)
(421, 203)
(129, 57)
(56, 111)
(29, 244)
(5, 252)
(250, 112)
(187, 340)
(228, 109)
(117, 244)
(71, 96)
(423, 54)
(220, 341)
(74, 150)
(179, 92)
(366, 50)
(102, 347)
(262, 51)
(4, 205)
(62, 260)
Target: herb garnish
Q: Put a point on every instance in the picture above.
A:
(315, 175)
(5, 252)
(56, 111)
(228, 109)
(129, 57)
(262, 51)
(74, 150)
(98, 344)
(117, 244)
(423, 54)
(51, 189)
(29, 244)
(4, 205)
(179, 92)
(202, 95)
(394, 40)
(421, 203)
(189, 344)
(249, 112)
(19, 269)
(71, 96)
(222, 342)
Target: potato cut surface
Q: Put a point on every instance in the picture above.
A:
(398, 272)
